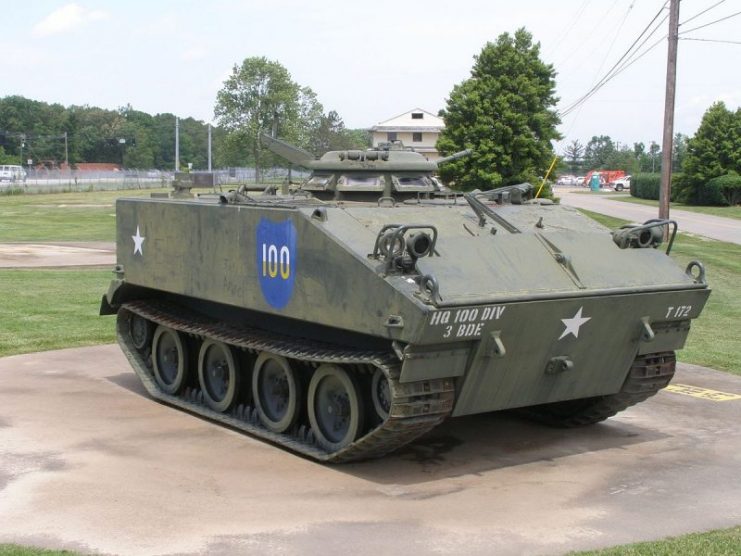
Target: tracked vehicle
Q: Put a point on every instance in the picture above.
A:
(348, 318)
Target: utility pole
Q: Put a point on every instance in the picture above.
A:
(177, 144)
(209, 147)
(667, 144)
(66, 151)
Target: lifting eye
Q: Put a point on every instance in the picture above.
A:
(391, 243)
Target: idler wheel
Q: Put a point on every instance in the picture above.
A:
(275, 389)
(218, 375)
(381, 394)
(335, 407)
(169, 359)
(140, 331)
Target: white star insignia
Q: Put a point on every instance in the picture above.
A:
(573, 324)
(138, 241)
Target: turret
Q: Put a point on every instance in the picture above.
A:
(390, 170)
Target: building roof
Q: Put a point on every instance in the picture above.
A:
(407, 128)
(405, 122)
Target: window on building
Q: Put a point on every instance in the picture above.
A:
(391, 136)
(417, 115)
(416, 137)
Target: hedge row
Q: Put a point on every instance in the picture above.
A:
(647, 186)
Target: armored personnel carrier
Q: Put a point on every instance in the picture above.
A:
(348, 318)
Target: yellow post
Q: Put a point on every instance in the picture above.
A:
(548, 173)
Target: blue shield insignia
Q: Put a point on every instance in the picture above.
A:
(276, 260)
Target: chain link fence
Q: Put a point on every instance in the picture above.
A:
(59, 181)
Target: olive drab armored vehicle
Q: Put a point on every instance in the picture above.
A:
(349, 317)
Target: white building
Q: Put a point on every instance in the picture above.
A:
(417, 128)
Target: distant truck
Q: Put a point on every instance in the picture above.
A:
(606, 177)
(620, 184)
(12, 173)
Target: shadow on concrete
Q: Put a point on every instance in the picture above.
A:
(479, 443)
(470, 445)
(129, 381)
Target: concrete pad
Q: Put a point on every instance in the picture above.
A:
(35, 255)
(89, 462)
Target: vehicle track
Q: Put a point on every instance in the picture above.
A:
(415, 407)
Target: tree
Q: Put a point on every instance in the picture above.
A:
(258, 96)
(331, 135)
(622, 159)
(96, 134)
(6, 158)
(505, 113)
(359, 138)
(654, 153)
(574, 152)
(679, 150)
(310, 117)
(598, 151)
(715, 150)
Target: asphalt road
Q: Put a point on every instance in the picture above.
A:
(714, 227)
(89, 462)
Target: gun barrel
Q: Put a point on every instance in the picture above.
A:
(454, 156)
(293, 154)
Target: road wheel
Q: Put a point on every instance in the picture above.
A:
(335, 407)
(218, 375)
(170, 359)
(140, 331)
(275, 390)
(381, 394)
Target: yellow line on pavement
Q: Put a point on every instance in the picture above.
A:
(702, 393)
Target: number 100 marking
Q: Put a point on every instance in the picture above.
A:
(273, 262)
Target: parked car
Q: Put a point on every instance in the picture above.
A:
(567, 180)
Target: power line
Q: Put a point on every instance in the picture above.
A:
(29, 136)
(708, 40)
(571, 26)
(702, 12)
(617, 33)
(711, 23)
(654, 45)
(620, 70)
(625, 58)
(607, 76)
(604, 59)
(579, 47)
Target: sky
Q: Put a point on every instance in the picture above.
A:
(368, 60)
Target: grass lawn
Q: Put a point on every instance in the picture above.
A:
(62, 216)
(714, 340)
(728, 212)
(51, 309)
(16, 550)
(725, 542)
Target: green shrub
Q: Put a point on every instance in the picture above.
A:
(723, 191)
(645, 186)
(682, 190)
